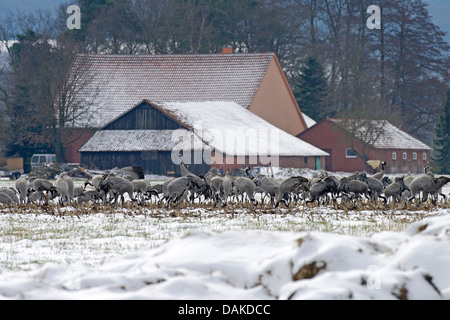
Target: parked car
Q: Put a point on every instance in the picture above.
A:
(42, 159)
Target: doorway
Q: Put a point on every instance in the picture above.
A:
(318, 164)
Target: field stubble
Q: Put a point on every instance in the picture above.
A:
(31, 236)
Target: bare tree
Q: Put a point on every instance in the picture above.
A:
(43, 83)
(72, 110)
(362, 128)
(4, 98)
(413, 64)
(157, 21)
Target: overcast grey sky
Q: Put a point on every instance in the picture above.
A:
(31, 5)
(439, 9)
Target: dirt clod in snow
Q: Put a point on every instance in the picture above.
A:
(309, 271)
(402, 293)
(421, 228)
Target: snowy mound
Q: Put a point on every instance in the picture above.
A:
(259, 265)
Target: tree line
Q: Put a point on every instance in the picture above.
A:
(335, 65)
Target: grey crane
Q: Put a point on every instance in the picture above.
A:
(292, 184)
(395, 189)
(268, 185)
(246, 188)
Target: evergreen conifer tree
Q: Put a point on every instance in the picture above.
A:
(441, 140)
(312, 89)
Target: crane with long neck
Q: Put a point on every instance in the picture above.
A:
(380, 175)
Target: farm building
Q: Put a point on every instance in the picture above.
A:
(352, 143)
(130, 93)
(117, 83)
(219, 134)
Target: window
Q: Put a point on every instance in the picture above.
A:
(414, 155)
(350, 153)
(405, 156)
(394, 156)
(424, 156)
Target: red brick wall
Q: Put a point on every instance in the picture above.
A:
(275, 102)
(403, 166)
(328, 138)
(75, 139)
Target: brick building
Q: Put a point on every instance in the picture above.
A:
(376, 140)
(117, 83)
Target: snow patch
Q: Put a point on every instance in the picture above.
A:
(258, 265)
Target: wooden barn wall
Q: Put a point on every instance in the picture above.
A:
(156, 162)
(285, 162)
(144, 117)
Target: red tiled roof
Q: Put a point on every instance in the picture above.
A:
(119, 82)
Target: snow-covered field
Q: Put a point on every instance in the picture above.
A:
(205, 253)
(240, 264)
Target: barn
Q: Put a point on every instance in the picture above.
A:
(352, 144)
(157, 136)
(114, 84)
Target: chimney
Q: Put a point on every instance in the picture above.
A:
(227, 50)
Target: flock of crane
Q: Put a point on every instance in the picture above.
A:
(219, 190)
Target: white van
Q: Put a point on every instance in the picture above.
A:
(42, 159)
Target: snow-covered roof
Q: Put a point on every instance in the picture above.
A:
(390, 136)
(234, 130)
(309, 121)
(222, 125)
(114, 83)
(143, 140)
